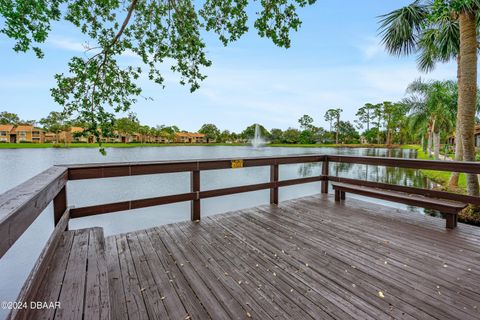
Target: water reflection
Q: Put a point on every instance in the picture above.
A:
(374, 173)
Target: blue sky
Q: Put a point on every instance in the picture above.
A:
(335, 61)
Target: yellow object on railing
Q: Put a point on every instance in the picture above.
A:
(237, 164)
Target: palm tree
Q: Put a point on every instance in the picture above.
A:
(439, 31)
(432, 108)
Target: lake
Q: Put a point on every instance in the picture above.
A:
(18, 165)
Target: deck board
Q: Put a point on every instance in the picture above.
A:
(308, 258)
(355, 267)
(76, 277)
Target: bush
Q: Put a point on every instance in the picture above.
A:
(470, 215)
(306, 137)
(25, 141)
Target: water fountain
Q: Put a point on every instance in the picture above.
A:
(257, 140)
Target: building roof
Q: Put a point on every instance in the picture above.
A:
(24, 128)
(6, 127)
(189, 134)
(76, 129)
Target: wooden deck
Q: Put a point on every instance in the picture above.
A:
(309, 258)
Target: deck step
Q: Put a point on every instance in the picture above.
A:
(76, 278)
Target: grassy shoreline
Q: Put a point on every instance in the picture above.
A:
(105, 145)
(440, 177)
(141, 145)
(469, 215)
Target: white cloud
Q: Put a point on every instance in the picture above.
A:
(239, 96)
(370, 48)
(68, 44)
(77, 46)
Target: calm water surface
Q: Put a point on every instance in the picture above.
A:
(18, 165)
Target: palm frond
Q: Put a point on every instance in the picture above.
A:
(428, 51)
(400, 28)
(448, 39)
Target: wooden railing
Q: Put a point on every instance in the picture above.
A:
(80, 172)
(20, 206)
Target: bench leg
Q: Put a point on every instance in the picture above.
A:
(452, 221)
(342, 195)
(337, 195)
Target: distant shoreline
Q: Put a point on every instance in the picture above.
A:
(142, 145)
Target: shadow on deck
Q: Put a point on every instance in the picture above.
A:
(309, 258)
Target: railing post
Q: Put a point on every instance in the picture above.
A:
(325, 175)
(274, 178)
(59, 205)
(195, 187)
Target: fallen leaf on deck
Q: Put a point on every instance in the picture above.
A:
(380, 294)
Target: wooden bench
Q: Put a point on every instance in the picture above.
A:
(75, 277)
(447, 207)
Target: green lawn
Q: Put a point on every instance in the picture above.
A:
(134, 145)
(440, 177)
(106, 145)
(331, 145)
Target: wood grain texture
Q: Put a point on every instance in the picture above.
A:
(309, 258)
(33, 282)
(20, 206)
(76, 277)
(448, 207)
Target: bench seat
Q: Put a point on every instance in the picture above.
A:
(448, 207)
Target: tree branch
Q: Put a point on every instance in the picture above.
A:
(125, 22)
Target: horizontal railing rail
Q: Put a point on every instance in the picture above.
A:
(20, 206)
(190, 196)
(437, 165)
(110, 170)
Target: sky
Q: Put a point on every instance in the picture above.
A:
(335, 61)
